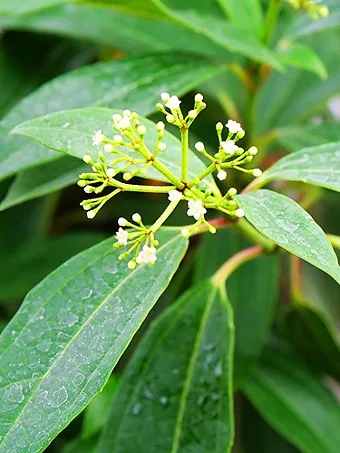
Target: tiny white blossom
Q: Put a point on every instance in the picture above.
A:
(165, 97)
(160, 126)
(229, 147)
(199, 146)
(122, 236)
(173, 103)
(122, 222)
(141, 130)
(91, 214)
(123, 123)
(174, 195)
(196, 209)
(147, 255)
(98, 138)
(234, 127)
(161, 146)
(118, 139)
(239, 213)
(110, 172)
(108, 148)
(136, 217)
(198, 97)
(117, 117)
(257, 172)
(87, 159)
(222, 175)
(127, 113)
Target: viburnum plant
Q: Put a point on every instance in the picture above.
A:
(141, 239)
(202, 203)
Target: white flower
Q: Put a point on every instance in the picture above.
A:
(116, 117)
(222, 175)
(136, 217)
(229, 147)
(161, 146)
(118, 139)
(141, 130)
(165, 97)
(147, 255)
(170, 118)
(160, 126)
(173, 103)
(198, 97)
(253, 150)
(122, 222)
(122, 236)
(110, 172)
(124, 123)
(239, 213)
(91, 214)
(88, 189)
(257, 172)
(196, 209)
(234, 127)
(199, 146)
(174, 195)
(98, 138)
(127, 113)
(192, 114)
(108, 148)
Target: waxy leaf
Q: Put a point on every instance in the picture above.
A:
(71, 132)
(176, 395)
(293, 400)
(249, 16)
(295, 138)
(319, 165)
(301, 56)
(18, 6)
(59, 349)
(291, 227)
(133, 83)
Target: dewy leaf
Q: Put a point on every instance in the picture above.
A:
(291, 227)
(59, 349)
(71, 132)
(176, 395)
(133, 83)
(293, 400)
(301, 56)
(227, 35)
(319, 165)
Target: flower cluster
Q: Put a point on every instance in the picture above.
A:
(311, 7)
(126, 155)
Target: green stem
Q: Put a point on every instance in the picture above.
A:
(140, 188)
(235, 262)
(255, 184)
(202, 175)
(254, 235)
(185, 153)
(171, 207)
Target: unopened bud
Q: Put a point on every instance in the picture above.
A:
(219, 127)
(131, 265)
(141, 130)
(170, 118)
(91, 214)
(160, 126)
(87, 159)
(198, 97)
(199, 146)
(108, 148)
(257, 172)
(111, 172)
(239, 213)
(253, 150)
(136, 217)
(192, 114)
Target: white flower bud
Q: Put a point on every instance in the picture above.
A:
(165, 97)
(141, 130)
(219, 127)
(117, 117)
(222, 175)
(239, 213)
(122, 221)
(173, 103)
(257, 172)
(87, 159)
(91, 214)
(111, 172)
(118, 139)
(127, 176)
(160, 126)
(198, 97)
(88, 189)
(199, 146)
(161, 146)
(127, 113)
(192, 114)
(131, 265)
(136, 217)
(108, 148)
(174, 195)
(232, 191)
(170, 118)
(253, 150)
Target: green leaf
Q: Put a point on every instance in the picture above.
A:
(97, 412)
(134, 83)
(17, 6)
(291, 227)
(42, 180)
(225, 34)
(319, 166)
(80, 445)
(256, 310)
(59, 349)
(249, 16)
(294, 400)
(305, 25)
(181, 378)
(71, 132)
(301, 56)
(307, 327)
(31, 262)
(297, 137)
